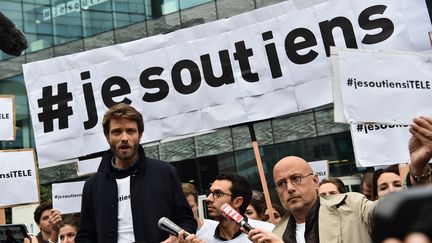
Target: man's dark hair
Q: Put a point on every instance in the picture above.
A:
(240, 188)
(335, 181)
(122, 110)
(40, 209)
(71, 220)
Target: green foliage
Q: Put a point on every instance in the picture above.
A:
(45, 192)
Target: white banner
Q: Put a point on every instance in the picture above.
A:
(380, 144)
(320, 168)
(66, 197)
(7, 118)
(383, 86)
(18, 177)
(258, 65)
(88, 166)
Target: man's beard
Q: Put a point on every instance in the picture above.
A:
(133, 151)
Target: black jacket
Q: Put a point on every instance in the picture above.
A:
(155, 192)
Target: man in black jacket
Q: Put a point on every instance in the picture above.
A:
(129, 193)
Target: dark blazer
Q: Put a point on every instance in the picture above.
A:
(155, 192)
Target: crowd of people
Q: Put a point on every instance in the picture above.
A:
(311, 211)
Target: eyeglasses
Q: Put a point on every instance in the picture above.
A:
(217, 193)
(295, 180)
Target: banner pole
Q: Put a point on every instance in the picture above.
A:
(2, 216)
(261, 173)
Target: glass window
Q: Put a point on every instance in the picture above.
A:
(187, 170)
(229, 8)
(152, 151)
(247, 167)
(214, 143)
(294, 127)
(195, 12)
(177, 150)
(325, 122)
(127, 12)
(66, 21)
(96, 17)
(241, 137)
(263, 132)
(99, 40)
(131, 32)
(38, 25)
(164, 24)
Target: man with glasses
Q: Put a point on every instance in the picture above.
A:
(234, 190)
(338, 218)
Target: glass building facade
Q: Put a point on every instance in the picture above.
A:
(61, 27)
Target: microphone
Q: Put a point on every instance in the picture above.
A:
(231, 214)
(12, 40)
(169, 226)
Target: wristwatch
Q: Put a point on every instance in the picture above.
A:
(419, 178)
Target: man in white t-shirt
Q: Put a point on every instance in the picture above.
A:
(234, 190)
(125, 199)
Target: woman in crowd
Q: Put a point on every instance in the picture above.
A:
(279, 212)
(255, 210)
(385, 181)
(69, 228)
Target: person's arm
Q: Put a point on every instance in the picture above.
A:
(191, 238)
(258, 235)
(55, 218)
(420, 148)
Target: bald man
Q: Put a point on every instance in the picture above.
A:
(311, 218)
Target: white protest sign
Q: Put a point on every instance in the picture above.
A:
(380, 144)
(88, 166)
(66, 197)
(7, 118)
(375, 86)
(320, 168)
(195, 79)
(18, 177)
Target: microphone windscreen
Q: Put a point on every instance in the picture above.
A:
(169, 226)
(232, 214)
(12, 40)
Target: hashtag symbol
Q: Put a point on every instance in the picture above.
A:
(359, 127)
(350, 82)
(47, 103)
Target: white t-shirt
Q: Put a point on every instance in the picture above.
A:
(300, 231)
(209, 237)
(207, 228)
(125, 232)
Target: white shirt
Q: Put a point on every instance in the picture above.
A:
(300, 231)
(209, 237)
(207, 228)
(125, 223)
